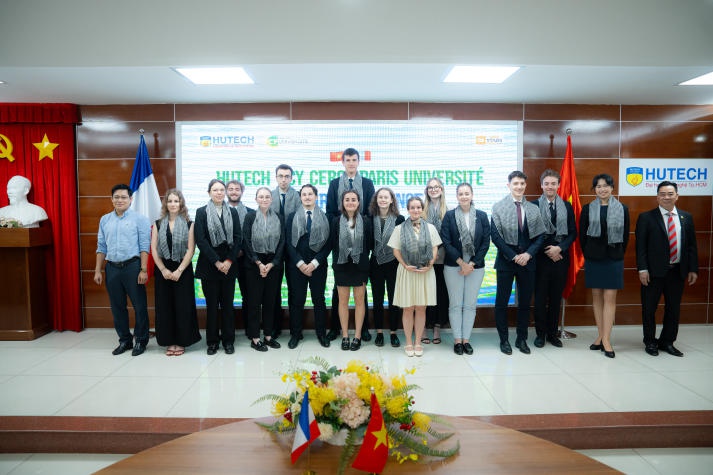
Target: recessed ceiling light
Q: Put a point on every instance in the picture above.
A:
(233, 75)
(2, 82)
(480, 74)
(705, 80)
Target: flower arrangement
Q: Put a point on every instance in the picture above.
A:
(341, 401)
(10, 223)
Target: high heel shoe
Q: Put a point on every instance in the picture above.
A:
(609, 354)
(595, 347)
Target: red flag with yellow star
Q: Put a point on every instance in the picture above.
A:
(375, 448)
(569, 191)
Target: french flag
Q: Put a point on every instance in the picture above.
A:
(307, 429)
(146, 199)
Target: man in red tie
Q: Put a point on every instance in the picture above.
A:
(666, 257)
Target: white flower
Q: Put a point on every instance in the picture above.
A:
(326, 431)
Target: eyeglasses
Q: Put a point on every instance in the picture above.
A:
(281, 177)
(433, 188)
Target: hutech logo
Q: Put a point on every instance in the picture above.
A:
(634, 175)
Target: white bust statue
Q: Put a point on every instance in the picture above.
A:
(20, 209)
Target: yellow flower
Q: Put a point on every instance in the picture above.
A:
(279, 408)
(320, 397)
(397, 406)
(422, 421)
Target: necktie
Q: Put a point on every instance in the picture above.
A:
(553, 215)
(351, 183)
(672, 239)
(282, 204)
(519, 215)
(309, 222)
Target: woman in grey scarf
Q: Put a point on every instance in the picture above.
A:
(172, 247)
(604, 234)
(219, 238)
(264, 236)
(352, 240)
(415, 243)
(384, 211)
(434, 210)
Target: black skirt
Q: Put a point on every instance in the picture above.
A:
(350, 274)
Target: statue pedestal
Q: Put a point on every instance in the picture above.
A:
(24, 313)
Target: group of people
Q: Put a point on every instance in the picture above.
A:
(430, 264)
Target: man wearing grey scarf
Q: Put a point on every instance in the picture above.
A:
(285, 201)
(517, 230)
(351, 179)
(552, 262)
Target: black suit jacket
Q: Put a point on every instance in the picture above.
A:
(209, 255)
(597, 248)
(652, 253)
(367, 243)
(302, 252)
(452, 242)
(571, 231)
(250, 254)
(332, 208)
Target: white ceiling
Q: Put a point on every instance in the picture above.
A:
(577, 51)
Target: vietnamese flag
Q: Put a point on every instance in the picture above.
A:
(375, 448)
(569, 191)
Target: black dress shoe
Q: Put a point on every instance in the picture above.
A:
(467, 349)
(123, 346)
(272, 343)
(395, 340)
(365, 335)
(505, 347)
(356, 344)
(294, 341)
(324, 341)
(670, 349)
(458, 348)
(229, 349)
(333, 335)
(595, 347)
(522, 346)
(609, 354)
(139, 348)
(539, 341)
(554, 341)
(259, 346)
(379, 339)
(652, 349)
(212, 349)
(345, 344)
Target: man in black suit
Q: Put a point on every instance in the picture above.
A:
(552, 262)
(351, 179)
(666, 257)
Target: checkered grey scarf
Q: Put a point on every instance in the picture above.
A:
(467, 230)
(433, 215)
(416, 250)
(292, 201)
(348, 245)
(216, 229)
(179, 238)
(561, 230)
(615, 220)
(356, 186)
(266, 232)
(505, 219)
(242, 212)
(382, 251)
(319, 233)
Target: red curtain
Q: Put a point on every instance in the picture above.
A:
(54, 188)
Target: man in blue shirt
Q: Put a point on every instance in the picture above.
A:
(123, 242)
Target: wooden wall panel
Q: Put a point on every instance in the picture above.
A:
(590, 139)
(699, 206)
(349, 111)
(671, 113)
(572, 112)
(667, 140)
(121, 139)
(465, 111)
(243, 111)
(97, 176)
(96, 296)
(128, 113)
(586, 169)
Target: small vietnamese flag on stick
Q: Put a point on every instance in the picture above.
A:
(375, 448)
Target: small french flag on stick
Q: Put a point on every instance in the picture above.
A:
(307, 429)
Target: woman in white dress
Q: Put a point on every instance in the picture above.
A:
(415, 243)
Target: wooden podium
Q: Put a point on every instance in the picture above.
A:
(24, 313)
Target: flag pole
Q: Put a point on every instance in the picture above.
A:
(564, 334)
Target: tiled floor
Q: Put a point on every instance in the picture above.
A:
(74, 374)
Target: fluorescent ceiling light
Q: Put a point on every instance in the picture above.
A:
(705, 80)
(480, 74)
(234, 75)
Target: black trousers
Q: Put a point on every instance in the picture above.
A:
(121, 282)
(671, 286)
(277, 319)
(550, 279)
(525, 279)
(383, 280)
(220, 326)
(438, 314)
(298, 296)
(262, 299)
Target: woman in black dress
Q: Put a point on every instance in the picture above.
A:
(604, 234)
(172, 248)
(219, 240)
(352, 240)
(264, 238)
(384, 211)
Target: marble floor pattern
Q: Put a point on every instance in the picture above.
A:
(75, 374)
